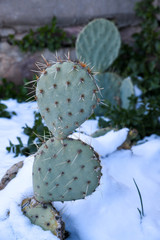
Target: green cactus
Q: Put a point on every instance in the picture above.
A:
(44, 215)
(102, 131)
(115, 90)
(66, 96)
(110, 87)
(98, 44)
(126, 90)
(65, 170)
(109, 84)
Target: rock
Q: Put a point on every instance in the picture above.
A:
(16, 65)
(73, 31)
(127, 32)
(4, 32)
(130, 140)
(18, 13)
(10, 174)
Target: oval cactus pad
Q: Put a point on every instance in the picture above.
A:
(126, 91)
(66, 95)
(98, 44)
(109, 84)
(65, 170)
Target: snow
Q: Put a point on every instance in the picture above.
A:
(108, 214)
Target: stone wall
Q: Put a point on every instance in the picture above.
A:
(22, 14)
(15, 65)
(18, 16)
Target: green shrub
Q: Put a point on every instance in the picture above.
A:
(141, 61)
(4, 113)
(48, 36)
(36, 136)
(11, 90)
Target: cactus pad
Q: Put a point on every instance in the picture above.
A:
(43, 215)
(65, 170)
(126, 90)
(110, 89)
(102, 131)
(66, 95)
(98, 44)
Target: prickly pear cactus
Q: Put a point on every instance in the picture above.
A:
(126, 90)
(98, 44)
(65, 171)
(115, 90)
(102, 131)
(44, 215)
(66, 96)
(109, 84)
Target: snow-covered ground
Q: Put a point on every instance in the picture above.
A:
(108, 214)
